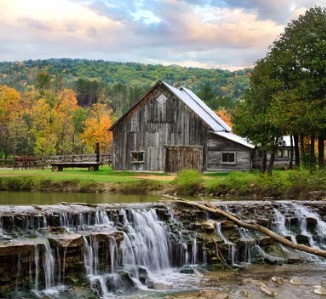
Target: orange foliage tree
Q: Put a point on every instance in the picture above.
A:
(96, 128)
(226, 117)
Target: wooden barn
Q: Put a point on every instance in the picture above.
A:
(171, 129)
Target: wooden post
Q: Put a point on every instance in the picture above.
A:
(97, 151)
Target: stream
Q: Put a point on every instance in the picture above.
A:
(153, 250)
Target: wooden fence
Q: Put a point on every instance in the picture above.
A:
(29, 162)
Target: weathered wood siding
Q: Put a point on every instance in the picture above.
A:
(184, 157)
(217, 145)
(159, 120)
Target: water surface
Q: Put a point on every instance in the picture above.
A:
(51, 198)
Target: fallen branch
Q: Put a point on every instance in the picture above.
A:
(254, 226)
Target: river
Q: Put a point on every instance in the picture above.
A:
(39, 198)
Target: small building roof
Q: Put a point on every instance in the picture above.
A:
(235, 138)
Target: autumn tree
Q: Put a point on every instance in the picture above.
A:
(10, 114)
(52, 122)
(225, 116)
(96, 128)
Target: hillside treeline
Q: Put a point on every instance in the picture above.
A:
(120, 85)
(65, 106)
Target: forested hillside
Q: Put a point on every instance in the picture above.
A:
(121, 84)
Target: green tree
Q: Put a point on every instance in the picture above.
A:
(287, 93)
(87, 91)
(251, 115)
(207, 94)
(299, 56)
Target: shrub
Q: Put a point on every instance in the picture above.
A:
(303, 181)
(189, 182)
(139, 187)
(17, 184)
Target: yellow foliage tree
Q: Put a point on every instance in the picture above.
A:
(10, 112)
(52, 118)
(96, 128)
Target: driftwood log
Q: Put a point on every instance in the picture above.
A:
(254, 226)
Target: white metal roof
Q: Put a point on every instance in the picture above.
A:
(286, 140)
(200, 108)
(235, 138)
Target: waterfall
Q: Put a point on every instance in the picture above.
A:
(194, 252)
(145, 247)
(249, 242)
(231, 245)
(122, 249)
(149, 239)
(48, 266)
(302, 213)
(37, 262)
(102, 218)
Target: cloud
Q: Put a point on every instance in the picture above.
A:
(208, 33)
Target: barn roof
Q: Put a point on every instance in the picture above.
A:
(200, 108)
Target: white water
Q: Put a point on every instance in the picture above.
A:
(146, 248)
(231, 245)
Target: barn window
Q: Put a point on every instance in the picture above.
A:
(228, 158)
(137, 156)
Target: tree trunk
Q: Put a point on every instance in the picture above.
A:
(296, 150)
(291, 152)
(321, 152)
(272, 158)
(264, 163)
(210, 208)
(271, 163)
(302, 146)
(312, 160)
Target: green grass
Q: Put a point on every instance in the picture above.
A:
(290, 184)
(104, 174)
(78, 180)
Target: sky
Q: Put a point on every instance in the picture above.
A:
(230, 34)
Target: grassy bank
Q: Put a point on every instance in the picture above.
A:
(287, 184)
(78, 180)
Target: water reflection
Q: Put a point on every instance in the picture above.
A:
(40, 198)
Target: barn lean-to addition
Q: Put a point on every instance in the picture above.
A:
(171, 129)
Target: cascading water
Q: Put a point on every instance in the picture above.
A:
(313, 235)
(124, 249)
(231, 245)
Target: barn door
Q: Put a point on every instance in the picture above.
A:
(183, 157)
